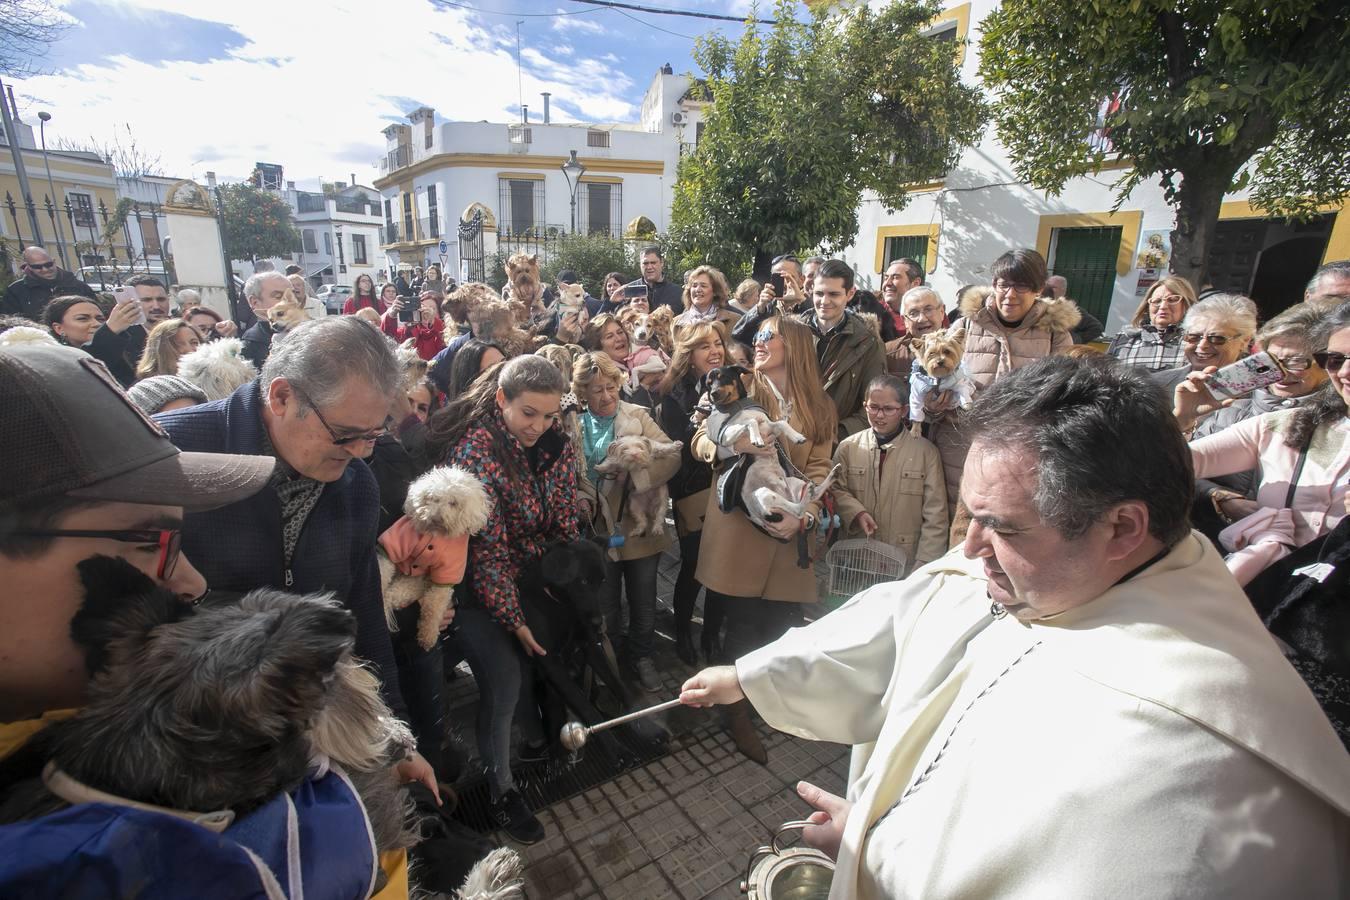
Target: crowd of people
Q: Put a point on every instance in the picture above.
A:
(287, 449)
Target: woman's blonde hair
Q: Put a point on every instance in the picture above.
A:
(720, 291)
(747, 292)
(160, 356)
(596, 327)
(1174, 283)
(819, 418)
(589, 366)
(687, 340)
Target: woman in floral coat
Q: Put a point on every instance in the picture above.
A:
(505, 431)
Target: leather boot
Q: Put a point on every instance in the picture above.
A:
(743, 733)
(684, 645)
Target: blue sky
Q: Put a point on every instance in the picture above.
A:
(218, 86)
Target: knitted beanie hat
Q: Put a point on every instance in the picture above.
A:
(154, 393)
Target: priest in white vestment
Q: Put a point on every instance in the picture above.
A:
(1078, 702)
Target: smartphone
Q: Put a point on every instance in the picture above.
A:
(1244, 376)
(633, 291)
(128, 295)
(779, 285)
(409, 310)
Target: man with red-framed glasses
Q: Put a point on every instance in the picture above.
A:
(86, 474)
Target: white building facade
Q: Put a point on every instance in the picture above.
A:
(433, 176)
(957, 227)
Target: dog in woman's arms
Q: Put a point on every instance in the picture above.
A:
(422, 555)
(631, 456)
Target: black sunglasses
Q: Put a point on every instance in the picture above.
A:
(46, 265)
(1329, 359)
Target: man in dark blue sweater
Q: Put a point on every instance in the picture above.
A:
(322, 399)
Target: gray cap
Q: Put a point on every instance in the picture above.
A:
(158, 391)
(71, 430)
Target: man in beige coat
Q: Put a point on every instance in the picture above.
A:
(1082, 704)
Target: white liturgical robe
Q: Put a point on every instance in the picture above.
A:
(1151, 743)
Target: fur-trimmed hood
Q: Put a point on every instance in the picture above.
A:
(1059, 316)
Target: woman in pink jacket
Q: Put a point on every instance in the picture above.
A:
(1303, 454)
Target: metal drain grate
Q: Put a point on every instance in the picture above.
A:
(543, 784)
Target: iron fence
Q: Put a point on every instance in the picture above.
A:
(102, 246)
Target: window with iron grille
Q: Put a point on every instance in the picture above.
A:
(407, 217)
(359, 250)
(308, 242)
(433, 218)
(1086, 257)
(913, 247)
(599, 208)
(597, 139)
(522, 202)
(519, 134)
(82, 206)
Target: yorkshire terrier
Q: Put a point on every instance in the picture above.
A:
(937, 367)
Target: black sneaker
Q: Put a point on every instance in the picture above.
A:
(514, 817)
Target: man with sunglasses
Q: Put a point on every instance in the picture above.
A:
(42, 282)
(323, 398)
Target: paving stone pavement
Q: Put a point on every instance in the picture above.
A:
(681, 827)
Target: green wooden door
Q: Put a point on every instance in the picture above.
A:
(1086, 257)
(914, 247)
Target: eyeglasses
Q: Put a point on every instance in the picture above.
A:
(922, 312)
(168, 540)
(369, 437)
(1330, 360)
(1293, 363)
(883, 410)
(763, 337)
(1016, 288)
(1215, 340)
(1155, 302)
(42, 266)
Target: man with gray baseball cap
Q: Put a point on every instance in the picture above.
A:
(86, 473)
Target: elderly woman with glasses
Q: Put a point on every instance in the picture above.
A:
(1153, 340)
(1302, 454)
(1289, 339)
(1217, 331)
(631, 567)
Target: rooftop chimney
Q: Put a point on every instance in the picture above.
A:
(290, 185)
(546, 96)
(211, 180)
(353, 178)
(525, 114)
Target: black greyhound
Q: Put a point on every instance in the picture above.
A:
(560, 598)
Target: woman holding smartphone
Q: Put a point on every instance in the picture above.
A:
(423, 325)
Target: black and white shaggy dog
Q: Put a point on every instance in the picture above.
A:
(216, 707)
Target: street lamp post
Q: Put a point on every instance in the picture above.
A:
(342, 258)
(43, 119)
(573, 170)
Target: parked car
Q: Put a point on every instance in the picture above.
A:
(334, 296)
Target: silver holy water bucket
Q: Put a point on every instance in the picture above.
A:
(795, 873)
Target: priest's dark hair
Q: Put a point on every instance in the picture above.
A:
(1102, 433)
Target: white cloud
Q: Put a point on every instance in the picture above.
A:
(579, 22)
(311, 87)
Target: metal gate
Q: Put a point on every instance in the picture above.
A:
(471, 267)
(99, 245)
(1086, 257)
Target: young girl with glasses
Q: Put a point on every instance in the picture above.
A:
(891, 488)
